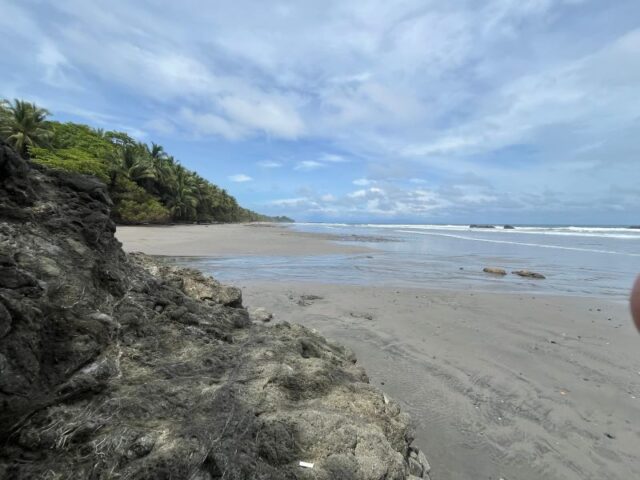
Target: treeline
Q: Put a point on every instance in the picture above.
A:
(147, 184)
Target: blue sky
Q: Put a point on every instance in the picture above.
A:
(519, 111)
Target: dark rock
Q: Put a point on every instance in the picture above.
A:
(123, 366)
(509, 227)
(13, 277)
(141, 446)
(5, 320)
(192, 282)
(528, 274)
(481, 226)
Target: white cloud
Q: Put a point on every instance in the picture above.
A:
(328, 198)
(290, 202)
(270, 164)
(307, 165)
(332, 158)
(361, 182)
(240, 178)
(54, 62)
(211, 124)
(358, 194)
(272, 115)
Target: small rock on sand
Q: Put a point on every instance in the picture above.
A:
(261, 315)
(495, 270)
(528, 274)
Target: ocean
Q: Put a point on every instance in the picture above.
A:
(593, 261)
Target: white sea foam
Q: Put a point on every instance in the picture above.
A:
(601, 232)
(559, 247)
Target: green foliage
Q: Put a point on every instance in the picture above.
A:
(133, 204)
(71, 159)
(24, 125)
(132, 212)
(73, 135)
(146, 184)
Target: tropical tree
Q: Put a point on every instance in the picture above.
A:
(182, 199)
(24, 125)
(162, 167)
(146, 184)
(130, 160)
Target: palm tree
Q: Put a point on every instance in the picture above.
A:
(182, 199)
(23, 125)
(130, 160)
(160, 164)
(156, 152)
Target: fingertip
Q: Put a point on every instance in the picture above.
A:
(635, 303)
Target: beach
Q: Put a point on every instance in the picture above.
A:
(521, 384)
(227, 239)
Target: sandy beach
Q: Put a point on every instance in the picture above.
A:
(512, 386)
(227, 239)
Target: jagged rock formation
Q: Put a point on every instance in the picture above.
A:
(115, 366)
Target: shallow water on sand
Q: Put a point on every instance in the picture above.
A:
(594, 261)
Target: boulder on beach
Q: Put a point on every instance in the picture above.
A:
(260, 315)
(122, 366)
(495, 270)
(528, 274)
(481, 226)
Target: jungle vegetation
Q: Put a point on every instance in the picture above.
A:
(146, 183)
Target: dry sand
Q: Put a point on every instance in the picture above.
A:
(227, 239)
(505, 386)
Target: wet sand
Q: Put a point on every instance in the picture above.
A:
(499, 385)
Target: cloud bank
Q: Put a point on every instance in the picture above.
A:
(522, 110)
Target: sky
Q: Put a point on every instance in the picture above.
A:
(457, 111)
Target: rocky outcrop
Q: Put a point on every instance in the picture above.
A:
(116, 366)
(481, 226)
(529, 274)
(191, 282)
